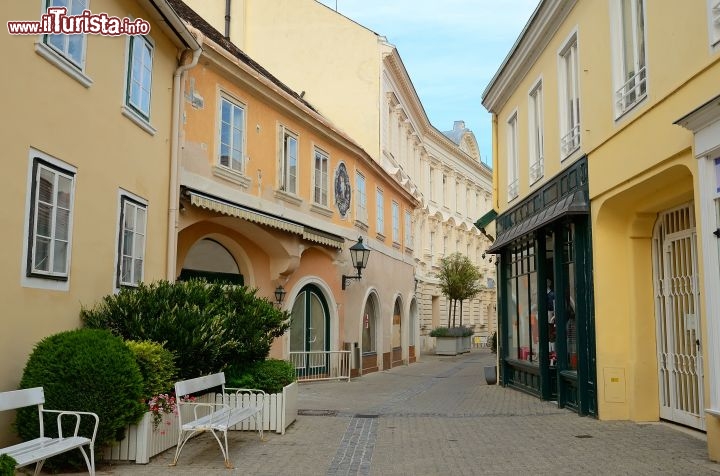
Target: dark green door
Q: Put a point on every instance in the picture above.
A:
(310, 331)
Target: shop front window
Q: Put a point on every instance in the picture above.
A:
(522, 300)
(568, 233)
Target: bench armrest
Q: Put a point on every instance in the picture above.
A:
(77, 415)
(197, 405)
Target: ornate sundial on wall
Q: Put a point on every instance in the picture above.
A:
(342, 189)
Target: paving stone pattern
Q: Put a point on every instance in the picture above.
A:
(438, 417)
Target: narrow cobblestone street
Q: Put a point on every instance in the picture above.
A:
(439, 417)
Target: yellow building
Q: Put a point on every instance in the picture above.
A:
(273, 195)
(608, 257)
(357, 79)
(87, 135)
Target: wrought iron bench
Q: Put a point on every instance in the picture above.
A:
(43, 447)
(215, 417)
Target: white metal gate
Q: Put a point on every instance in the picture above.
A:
(677, 315)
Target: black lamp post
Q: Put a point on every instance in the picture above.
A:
(359, 253)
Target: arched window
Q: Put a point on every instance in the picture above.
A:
(210, 260)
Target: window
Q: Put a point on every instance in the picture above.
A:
(380, 212)
(395, 222)
(536, 134)
(522, 300)
(320, 188)
(445, 190)
(408, 229)
(432, 243)
(714, 6)
(569, 99)
(288, 161)
(131, 241)
(50, 220)
(139, 80)
(69, 47)
(512, 157)
(232, 135)
(431, 183)
(630, 73)
(361, 198)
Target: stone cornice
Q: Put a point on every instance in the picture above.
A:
(539, 30)
(399, 74)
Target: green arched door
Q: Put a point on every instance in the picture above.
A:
(310, 331)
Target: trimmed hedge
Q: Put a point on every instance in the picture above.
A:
(207, 326)
(156, 364)
(7, 465)
(84, 370)
(269, 375)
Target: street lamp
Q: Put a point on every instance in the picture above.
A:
(359, 253)
(279, 294)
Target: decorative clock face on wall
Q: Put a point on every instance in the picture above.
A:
(342, 189)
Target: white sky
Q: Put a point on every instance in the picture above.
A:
(450, 48)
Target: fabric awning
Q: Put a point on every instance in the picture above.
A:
(239, 211)
(573, 204)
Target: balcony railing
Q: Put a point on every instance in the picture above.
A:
(536, 170)
(513, 189)
(570, 141)
(321, 365)
(630, 93)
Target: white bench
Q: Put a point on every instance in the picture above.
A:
(214, 417)
(43, 447)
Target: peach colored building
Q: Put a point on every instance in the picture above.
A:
(272, 195)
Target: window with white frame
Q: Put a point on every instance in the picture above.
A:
(395, 222)
(51, 210)
(445, 245)
(714, 17)
(232, 134)
(512, 156)
(288, 161)
(535, 127)
(432, 243)
(629, 54)
(360, 198)
(408, 229)
(431, 183)
(320, 187)
(445, 190)
(70, 47)
(379, 212)
(569, 99)
(139, 76)
(131, 241)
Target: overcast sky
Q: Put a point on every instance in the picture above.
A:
(450, 48)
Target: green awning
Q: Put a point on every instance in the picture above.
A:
(486, 219)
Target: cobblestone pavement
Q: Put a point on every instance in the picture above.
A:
(439, 417)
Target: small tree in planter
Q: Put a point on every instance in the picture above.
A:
(459, 280)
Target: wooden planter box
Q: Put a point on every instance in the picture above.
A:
(142, 441)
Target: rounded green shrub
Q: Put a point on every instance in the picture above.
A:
(85, 370)
(269, 375)
(207, 326)
(156, 364)
(7, 465)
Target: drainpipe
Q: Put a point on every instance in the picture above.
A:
(227, 19)
(174, 194)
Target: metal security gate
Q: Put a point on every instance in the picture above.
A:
(677, 315)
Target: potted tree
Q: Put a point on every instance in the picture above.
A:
(459, 280)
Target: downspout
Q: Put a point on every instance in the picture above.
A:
(174, 193)
(227, 19)
(495, 195)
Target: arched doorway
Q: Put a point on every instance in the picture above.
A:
(412, 329)
(397, 335)
(310, 331)
(210, 260)
(369, 335)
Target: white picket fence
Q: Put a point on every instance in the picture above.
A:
(142, 441)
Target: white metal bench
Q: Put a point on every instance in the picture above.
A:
(214, 417)
(43, 447)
